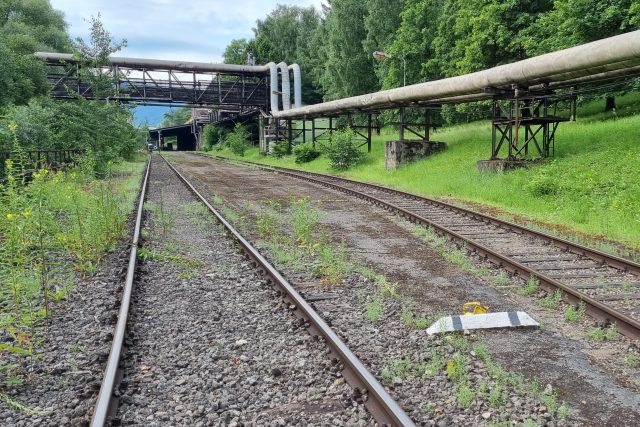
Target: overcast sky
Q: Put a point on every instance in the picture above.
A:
(190, 30)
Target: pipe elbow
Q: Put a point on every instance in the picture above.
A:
(285, 86)
(273, 86)
(297, 85)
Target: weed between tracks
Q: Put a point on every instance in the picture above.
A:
(170, 257)
(551, 300)
(294, 240)
(465, 363)
(610, 333)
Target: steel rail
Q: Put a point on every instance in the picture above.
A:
(382, 406)
(103, 403)
(596, 309)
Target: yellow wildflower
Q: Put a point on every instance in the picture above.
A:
(13, 126)
(10, 216)
(27, 213)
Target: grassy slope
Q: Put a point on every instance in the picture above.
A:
(593, 184)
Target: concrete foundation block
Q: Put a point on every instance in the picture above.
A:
(398, 153)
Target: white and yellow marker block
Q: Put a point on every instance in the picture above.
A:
(505, 319)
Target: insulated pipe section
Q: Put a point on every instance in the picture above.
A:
(610, 54)
(273, 82)
(286, 86)
(297, 85)
(162, 64)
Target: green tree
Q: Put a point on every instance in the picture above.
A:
(286, 35)
(236, 52)
(95, 54)
(349, 69)
(573, 22)
(413, 41)
(176, 117)
(27, 26)
(381, 23)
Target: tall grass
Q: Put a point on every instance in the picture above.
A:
(58, 225)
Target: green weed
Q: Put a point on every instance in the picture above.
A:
(465, 395)
(497, 396)
(632, 359)
(458, 368)
(385, 288)
(268, 224)
(304, 220)
(374, 310)
(332, 263)
(501, 280)
(563, 411)
(412, 321)
(530, 287)
(552, 299)
(9, 401)
(399, 368)
(293, 257)
(434, 365)
(597, 333)
(575, 313)
(51, 228)
(165, 256)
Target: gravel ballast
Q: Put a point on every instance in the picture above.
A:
(209, 342)
(557, 356)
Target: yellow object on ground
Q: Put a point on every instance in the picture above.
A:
(474, 307)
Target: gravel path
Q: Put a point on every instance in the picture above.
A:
(557, 355)
(209, 343)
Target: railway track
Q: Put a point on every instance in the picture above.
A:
(380, 404)
(607, 285)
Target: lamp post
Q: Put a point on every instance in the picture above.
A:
(382, 56)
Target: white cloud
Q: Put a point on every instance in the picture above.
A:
(190, 30)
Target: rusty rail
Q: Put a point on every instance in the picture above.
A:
(596, 309)
(103, 404)
(383, 408)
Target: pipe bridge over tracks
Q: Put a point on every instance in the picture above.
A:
(160, 82)
(524, 98)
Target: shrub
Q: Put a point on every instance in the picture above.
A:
(280, 149)
(211, 136)
(305, 152)
(542, 185)
(343, 151)
(238, 140)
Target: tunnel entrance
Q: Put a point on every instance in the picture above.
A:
(180, 138)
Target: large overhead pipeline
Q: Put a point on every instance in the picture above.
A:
(162, 64)
(601, 56)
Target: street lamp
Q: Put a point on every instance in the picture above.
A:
(382, 56)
